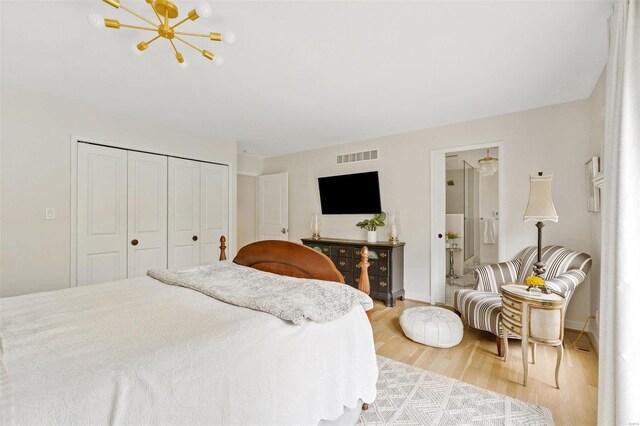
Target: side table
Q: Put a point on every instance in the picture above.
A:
(535, 319)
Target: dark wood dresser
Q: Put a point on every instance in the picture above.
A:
(386, 272)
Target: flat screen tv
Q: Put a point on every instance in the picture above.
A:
(357, 193)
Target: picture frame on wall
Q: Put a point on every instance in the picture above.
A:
(592, 170)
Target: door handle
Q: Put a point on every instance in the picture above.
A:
(134, 242)
(284, 230)
(439, 235)
(194, 238)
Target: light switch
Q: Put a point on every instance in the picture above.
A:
(50, 213)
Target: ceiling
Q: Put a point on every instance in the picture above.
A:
(308, 74)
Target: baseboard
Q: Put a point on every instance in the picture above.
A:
(420, 297)
(573, 325)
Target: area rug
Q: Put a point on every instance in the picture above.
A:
(412, 396)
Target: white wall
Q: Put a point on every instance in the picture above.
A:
(596, 137)
(247, 212)
(553, 139)
(36, 168)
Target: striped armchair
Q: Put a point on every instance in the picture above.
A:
(481, 308)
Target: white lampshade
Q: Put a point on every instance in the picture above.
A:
(540, 207)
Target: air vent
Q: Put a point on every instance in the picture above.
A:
(357, 156)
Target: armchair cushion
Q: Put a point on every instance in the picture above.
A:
(491, 277)
(557, 260)
(480, 309)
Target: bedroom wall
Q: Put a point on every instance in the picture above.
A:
(553, 139)
(35, 169)
(596, 138)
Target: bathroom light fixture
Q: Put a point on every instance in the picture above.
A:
(487, 166)
(164, 11)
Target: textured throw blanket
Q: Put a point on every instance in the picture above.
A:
(290, 299)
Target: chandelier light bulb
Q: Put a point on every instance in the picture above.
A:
(204, 9)
(96, 21)
(228, 37)
(219, 60)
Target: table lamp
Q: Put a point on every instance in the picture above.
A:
(540, 208)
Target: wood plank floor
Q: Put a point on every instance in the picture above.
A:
(475, 361)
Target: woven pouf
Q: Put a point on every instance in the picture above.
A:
(432, 326)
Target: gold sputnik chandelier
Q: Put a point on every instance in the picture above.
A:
(165, 11)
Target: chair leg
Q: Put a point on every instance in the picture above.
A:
(500, 344)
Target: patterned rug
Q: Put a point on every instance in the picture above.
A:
(411, 396)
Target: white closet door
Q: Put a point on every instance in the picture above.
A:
(184, 213)
(147, 213)
(102, 214)
(214, 209)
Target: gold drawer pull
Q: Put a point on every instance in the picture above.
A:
(383, 255)
(383, 268)
(325, 249)
(383, 283)
(342, 263)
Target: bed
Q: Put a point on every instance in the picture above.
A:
(139, 351)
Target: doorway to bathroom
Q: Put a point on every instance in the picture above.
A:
(465, 216)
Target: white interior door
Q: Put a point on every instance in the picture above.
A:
(214, 210)
(273, 207)
(102, 214)
(438, 227)
(147, 213)
(184, 213)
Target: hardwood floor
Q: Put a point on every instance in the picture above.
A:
(475, 361)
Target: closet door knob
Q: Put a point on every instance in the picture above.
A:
(439, 235)
(194, 238)
(134, 242)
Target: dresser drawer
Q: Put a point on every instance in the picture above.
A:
(342, 251)
(382, 270)
(514, 328)
(384, 284)
(513, 316)
(512, 304)
(343, 264)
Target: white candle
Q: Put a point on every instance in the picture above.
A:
(394, 231)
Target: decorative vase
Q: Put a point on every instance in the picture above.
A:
(372, 236)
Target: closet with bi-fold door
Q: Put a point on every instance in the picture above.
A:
(138, 211)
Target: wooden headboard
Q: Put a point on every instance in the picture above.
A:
(290, 259)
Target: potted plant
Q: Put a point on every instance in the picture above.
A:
(451, 237)
(371, 225)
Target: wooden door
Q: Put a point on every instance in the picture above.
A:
(147, 213)
(214, 210)
(184, 213)
(102, 214)
(273, 207)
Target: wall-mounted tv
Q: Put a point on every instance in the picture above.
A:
(357, 193)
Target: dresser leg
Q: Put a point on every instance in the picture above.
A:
(560, 350)
(525, 359)
(534, 349)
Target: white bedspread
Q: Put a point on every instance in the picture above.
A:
(140, 352)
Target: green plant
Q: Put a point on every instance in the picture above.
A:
(374, 223)
(452, 236)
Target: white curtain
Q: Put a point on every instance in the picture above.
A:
(619, 381)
